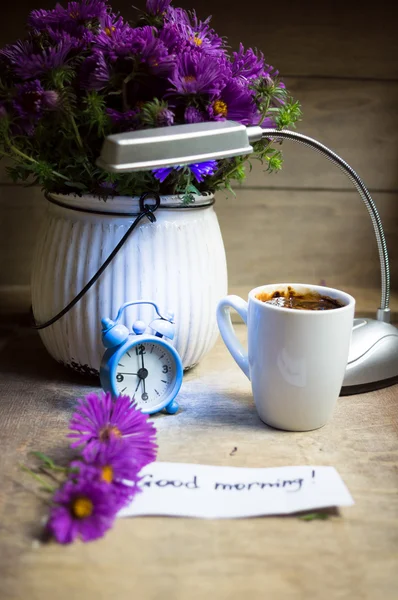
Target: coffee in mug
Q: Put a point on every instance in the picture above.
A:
(299, 300)
(298, 343)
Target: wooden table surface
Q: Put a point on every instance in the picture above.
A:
(353, 554)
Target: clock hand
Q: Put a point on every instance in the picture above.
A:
(125, 373)
(138, 385)
(143, 379)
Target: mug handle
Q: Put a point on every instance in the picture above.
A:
(227, 331)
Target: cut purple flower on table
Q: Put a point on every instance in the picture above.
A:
(84, 509)
(99, 418)
(115, 465)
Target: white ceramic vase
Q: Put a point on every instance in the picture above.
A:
(177, 262)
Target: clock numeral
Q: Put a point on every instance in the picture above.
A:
(165, 369)
(119, 378)
(140, 349)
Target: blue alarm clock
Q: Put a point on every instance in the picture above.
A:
(142, 365)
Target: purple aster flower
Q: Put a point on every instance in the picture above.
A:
(95, 72)
(199, 35)
(108, 187)
(149, 49)
(165, 117)
(196, 74)
(32, 100)
(86, 10)
(120, 493)
(42, 19)
(247, 64)
(198, 170)
(117, 461)
(115, 38)
(177, 16)
(75, 14)
(157, 7)
(27, 64)
(203, 169)
(163, 173)
(79, 41)
(170, 38)
(115, 464)
(265, 123)
(98, 419)
(124, 121)
(84, 509)
(234, 103)
(193, 115)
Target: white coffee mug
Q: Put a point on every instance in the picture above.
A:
(297, 358)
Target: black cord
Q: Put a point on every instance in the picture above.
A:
(147, 211)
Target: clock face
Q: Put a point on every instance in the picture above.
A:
(146, 372)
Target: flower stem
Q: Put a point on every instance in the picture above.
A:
(229, 173)
(44, 483)
(32, 160)
(77, 134)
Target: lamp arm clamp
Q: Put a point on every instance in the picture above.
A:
(383, 313)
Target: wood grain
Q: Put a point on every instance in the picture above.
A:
(273, 236)
(359, 122)
(21, 211)
(350, 555)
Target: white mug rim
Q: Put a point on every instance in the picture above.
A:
(327, 291)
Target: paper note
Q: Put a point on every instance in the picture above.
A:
(204, 491)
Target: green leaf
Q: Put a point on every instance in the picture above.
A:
(45, 459)
(77, 185)
(315, 516)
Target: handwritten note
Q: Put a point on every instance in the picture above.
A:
(185, 490)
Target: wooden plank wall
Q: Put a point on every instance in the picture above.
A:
(306, 223)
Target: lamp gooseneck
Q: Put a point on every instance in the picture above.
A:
(383, 313)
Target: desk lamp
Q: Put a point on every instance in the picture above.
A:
(373, 357)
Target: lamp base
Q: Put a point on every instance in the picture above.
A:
(352, 390)
(373, 358)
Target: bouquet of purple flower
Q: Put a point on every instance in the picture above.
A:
(116, 441)
(84, 72)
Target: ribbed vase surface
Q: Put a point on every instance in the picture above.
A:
(177, 262)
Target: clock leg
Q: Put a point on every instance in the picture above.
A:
(172, 408)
